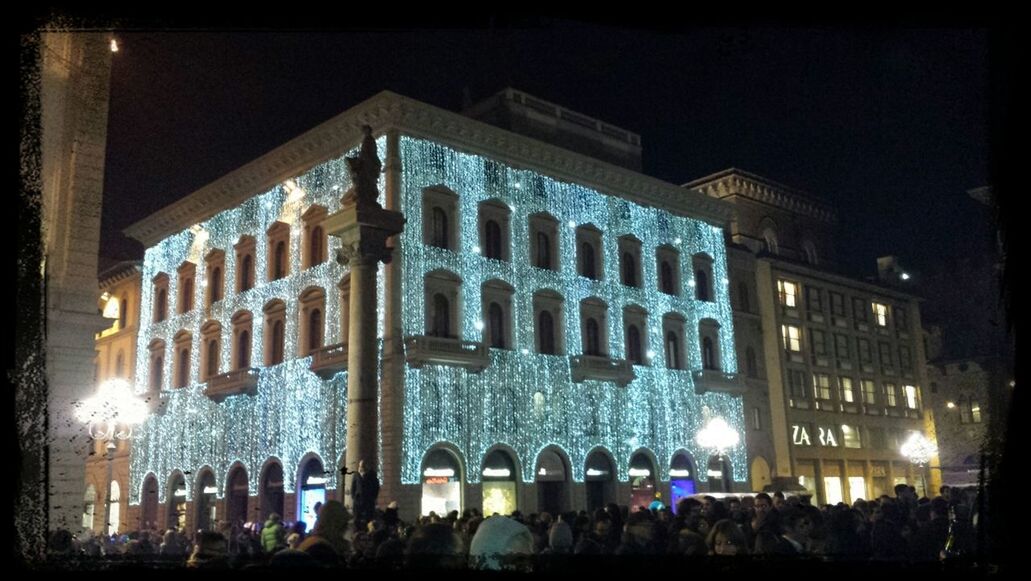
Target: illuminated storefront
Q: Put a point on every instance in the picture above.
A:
(552, 482)
(599, 481)
(681, 479)
(642, 482)
(204, 503)
(177, 503)
(499, 484)
(272, 491)
(441, 483)
(312, 485)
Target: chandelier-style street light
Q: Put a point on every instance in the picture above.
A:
(919, 451)
(113, 411)
(719, 437)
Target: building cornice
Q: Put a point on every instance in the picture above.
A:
(388, 111)
(733, 181)
(119, 272)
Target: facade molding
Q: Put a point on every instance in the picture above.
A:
(389, 111)
(733, 181)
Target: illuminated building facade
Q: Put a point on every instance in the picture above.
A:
(554, 329)
(835, 366)
(119, 303)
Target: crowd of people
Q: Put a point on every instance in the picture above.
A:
(900, 529)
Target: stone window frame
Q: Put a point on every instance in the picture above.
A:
(215, 263)
(449, 285)
(501, 293)
(278, 233)
(676, 324)
(242, 322)
(704, 290)
(546, 224)
(183, 345)
(245, 248)
(636, 316)
(273, 311)
(596, 309)
(310, 300)
(160, 284)
(670, 255)
(211, 334)
(156, 365)
(498, 211)
(591, 235)
(630, 245)
(314, 231)
(447, 200)
(547, 300)
(187, 273)
(710, 329)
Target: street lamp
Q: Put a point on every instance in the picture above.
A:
(919, 451)
(111, 414)
(718, 436)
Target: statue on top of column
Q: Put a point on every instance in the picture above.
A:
(365, 170)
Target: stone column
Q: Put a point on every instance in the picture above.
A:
(364, 228)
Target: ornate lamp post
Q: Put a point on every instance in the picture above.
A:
(718, 436)
(111, 414)
(919, 450)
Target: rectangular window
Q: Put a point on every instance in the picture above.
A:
(859, 309)
(964, 411)
(884, 350)
(841, 346)
(865, 353)
(889, 394)
(812, 299)
(848, 394)
(756, 419)
(875, 438)
(869, 393)
(975, 411)
(818, 342)
(792, 338)
(837, 304)
(901, 323)
(850, 435)
(912, 396)
(880, 314)
(905, 359)
(796, 383)
(822, 386)
(788, 292)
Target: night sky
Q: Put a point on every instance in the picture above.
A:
(888, 126)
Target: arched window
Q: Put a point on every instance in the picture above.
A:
(123, 313)
(441, 316)
(157, 370)
(708, 355)
(243, 351)
(188, 295)
(314, 330)
(315, 251)
(543, 251)
(750, 364)
(629, 270)
(279, 261)
(633, 345)
(496, 317)
(546, 332)
(184, 368)
(247, 275)
(212, 358)
(589, 268)
(672, 351)
(440, 228)
(592, 344)
(708, 332)
(666, 278)
(277, 343)
(701, 285)
(161, 310)
(492, 239)
(216, 284)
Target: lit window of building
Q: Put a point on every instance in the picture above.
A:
(792, 337)
(880, 313)
(788, 293)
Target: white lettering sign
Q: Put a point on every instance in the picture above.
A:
(800, 436)
(827, 437)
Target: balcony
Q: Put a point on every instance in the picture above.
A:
(329, 360)
(619, 371)
(716, 380)
(239, 382)
(421, 350)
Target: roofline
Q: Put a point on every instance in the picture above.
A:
(387, 111)
(119, 271)
(804, 202)
(809, 270)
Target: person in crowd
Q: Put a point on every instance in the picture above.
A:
(795, 527)
(501, 543)
(210, 551)
(273, 534)
(327, 540)
(726, 540)
(435, 545)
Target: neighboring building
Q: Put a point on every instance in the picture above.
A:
(958, 398)
(116, 358)
(73, 102)
(556, 330)
(841, 360)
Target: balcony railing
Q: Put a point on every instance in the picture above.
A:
(421, 350)
(329, 360)
(239, 382)
(716, 380)
(600, 368)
